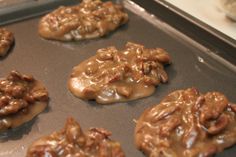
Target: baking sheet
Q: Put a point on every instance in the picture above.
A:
(52, 61)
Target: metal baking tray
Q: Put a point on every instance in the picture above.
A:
(194, 65)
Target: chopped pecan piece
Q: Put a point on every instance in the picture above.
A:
(124, 90)
(211, 111)
(89, 92)
(220, 124)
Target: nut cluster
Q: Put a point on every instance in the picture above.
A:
(120, 74)
(89, 19)
(72, 141)
(21, 99)
(187, 123)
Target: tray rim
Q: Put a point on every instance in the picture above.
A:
(197, 22)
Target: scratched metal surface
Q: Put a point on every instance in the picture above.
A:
(52, 61)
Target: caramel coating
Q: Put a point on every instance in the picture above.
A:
(73, 142)
(187, 124)
(89, 19)
(115, 76)
(21, 99)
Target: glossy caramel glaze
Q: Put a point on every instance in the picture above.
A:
(73, 142)
(21, 99)
(6, 41)
(114, 76)
(89, 19)
(187, 124)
